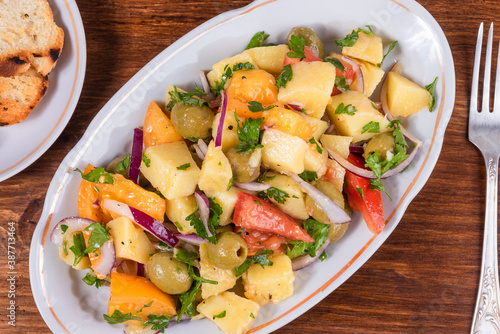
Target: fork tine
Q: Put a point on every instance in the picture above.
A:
(475, 72)
(496, 102)
(487, 72)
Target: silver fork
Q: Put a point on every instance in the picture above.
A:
(484, 132)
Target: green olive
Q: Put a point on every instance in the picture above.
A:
(192, 121)
(245, 166)
(169, 274)
(229, 252)
(382, 143)
(311, 38)
(336, 232)
(329, 190)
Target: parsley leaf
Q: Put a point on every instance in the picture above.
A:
(255, 106)
(349, 109)
(285, 76)
(341, 82)
(248, 134)
(318, 147)
(371, 127)
(98, 236)
(322, 257)
(308, 175)
(64, 228)
(277, 194)
(228, 74)
(124, 164)
(184, 167)
(78, 248)
(296, 44)
(195, 221)
(242, 66)
(393, 44)
(349, 40)
(360, 191)
(215, 213)
(157, 322)
(97, 175)
(198, 278)
(187, 257)
(260, 257)
(220, 315)
(146, 160)
(337, 63)
(431, 89)
(189, 99)
(318, 231)
(257, 40)
(91, 279)
(118, 317)
(188, 301)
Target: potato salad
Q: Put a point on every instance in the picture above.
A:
(231, 187)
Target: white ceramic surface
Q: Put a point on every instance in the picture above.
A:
(69, 306)
(21, 144)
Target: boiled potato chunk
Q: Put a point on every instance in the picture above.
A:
(283, 152)
(269, 58)
(294, 204)
(229, 131)
(404, 97)
(216, 173)
(218, 70)
(372, 75)
(178, 209)
(310, 87)
(227, 200)
(352, 125)
(226, 278)
(339, 144)
(368, 48)
(335, 174)
(269, 283)
(163, 172)
(318, 125)
(131, 242)
(240, 312)
(315, 161)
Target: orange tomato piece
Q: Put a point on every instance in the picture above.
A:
(250, 85)
(288, 121)
(158, 128)
(130, 294)
(91, 195)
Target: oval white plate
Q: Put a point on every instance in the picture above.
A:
(21, 144)
(68, 305)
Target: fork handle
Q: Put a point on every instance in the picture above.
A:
(487, 313)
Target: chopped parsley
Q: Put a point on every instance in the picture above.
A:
(187, 257)
(352, 38)
(393, 44)
(318, 231)
(189, 99)
(98, 236)
(260, 257)
(196, 222)
(157, 322)
(296, 44)
(118, 317)
(228, 74)
(248, 134)
(318, 147)
(431, 89)
(285, 76)
(371, 127)
(337, 63)
(198, 278)
(124, 164)
(349, 109)
(277, 194)
(230, 185)
(97, 175)
(146, 160)
(78, 248)
(184, 167)
(220, 315)
(188, 299)
(255, 106)
(257, 40)
(308, 175)
(360, 192)
(341, 82)
(64, 228)
(91, 279)
(178, 225)
(323, 257)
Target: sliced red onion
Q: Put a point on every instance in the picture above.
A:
(203, 147)
(356, 148)
(220, 128)
(335, 213)
(140, 269)
(199, 153)
(330, 129)
(136, 156)
(204, 207)
(125, 266)
(359, 74)
(296, 107)
(252, 186)
(190, 239)
(206, 86)
(147, 222)
(96, 204)
(107, 258)
(74, 224)
(305, 260)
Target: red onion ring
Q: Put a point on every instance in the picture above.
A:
(220, 128)
(359, 74)
(305, 260)
(74, 224)
(252, 186)
(107, 258)
(206, 86)
(204, 207)
(203, 147)
(199, 153)
(335, 213)
(136, 156)
(190, 239)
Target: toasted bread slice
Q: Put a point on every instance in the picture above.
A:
(28, 36)
(20, 94)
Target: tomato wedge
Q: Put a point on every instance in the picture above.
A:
(257, 240)
(370, 205)
(254, 213)
(348, 73)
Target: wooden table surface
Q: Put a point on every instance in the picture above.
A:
(422, 280)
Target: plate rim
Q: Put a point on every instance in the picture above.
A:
(78, 33)
(446, 103)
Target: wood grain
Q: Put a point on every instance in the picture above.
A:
(422, 280)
